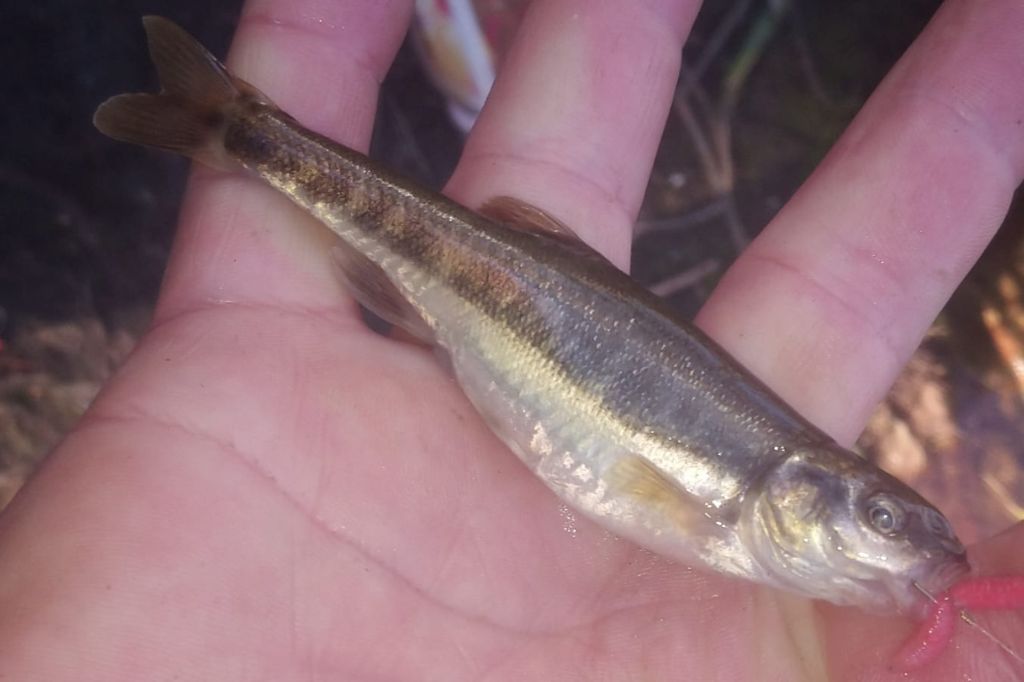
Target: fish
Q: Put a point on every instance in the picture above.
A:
(626, 411)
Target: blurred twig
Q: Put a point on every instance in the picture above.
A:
(691, 76)
(709, 123)
(1005, 342)
(1003, 496)
(686, 278)
(683, 221)
(806, 57)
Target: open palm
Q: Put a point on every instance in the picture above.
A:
(269, 491)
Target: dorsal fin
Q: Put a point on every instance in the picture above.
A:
(526, 217)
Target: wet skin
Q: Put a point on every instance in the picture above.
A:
(267, 489)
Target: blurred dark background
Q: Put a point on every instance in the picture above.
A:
(86, 224)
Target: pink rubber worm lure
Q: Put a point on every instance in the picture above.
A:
(996, 592)
(936, 631)
(929, 640)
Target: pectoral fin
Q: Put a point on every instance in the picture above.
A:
(373, 290)
(638, 478)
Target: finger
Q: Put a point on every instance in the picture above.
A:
(241, 241)
(829, 302)
(576, 113)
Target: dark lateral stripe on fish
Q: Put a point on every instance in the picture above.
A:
(492, 276)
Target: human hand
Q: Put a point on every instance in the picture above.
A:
(267, 490)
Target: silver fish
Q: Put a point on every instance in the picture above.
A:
(627, 412)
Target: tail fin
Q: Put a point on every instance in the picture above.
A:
(188, 115)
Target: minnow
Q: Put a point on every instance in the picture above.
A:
(626, 411)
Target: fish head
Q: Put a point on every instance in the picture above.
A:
(827, 523)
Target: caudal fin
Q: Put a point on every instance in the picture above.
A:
(188, 115)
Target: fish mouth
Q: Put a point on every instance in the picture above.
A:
(948, 573)
(934, 580)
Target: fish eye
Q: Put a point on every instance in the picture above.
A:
(885, 514)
